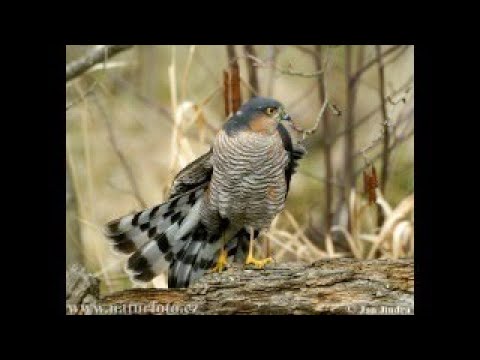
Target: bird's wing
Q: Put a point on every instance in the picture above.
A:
(196, 173)
(298, 151)
(295, 153)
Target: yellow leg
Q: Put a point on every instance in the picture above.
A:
(221, 262)
(260, 264)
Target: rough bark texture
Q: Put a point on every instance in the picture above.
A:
(337, 286)
(82, 287)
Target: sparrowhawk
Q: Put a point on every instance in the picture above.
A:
(219, 203)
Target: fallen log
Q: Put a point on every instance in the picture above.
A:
(334, 286)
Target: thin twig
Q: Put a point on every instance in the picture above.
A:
(386, 134)
(92, 57)
(398, 140)
(372, 62)
(307, 51)
(397, 56)
(380, 137)
(264, 64)
(314, 128)
(405, 88)
(202, 104)
(326, 103)
(118, 80)
(82, 97)
(200, 60)
(119, 153)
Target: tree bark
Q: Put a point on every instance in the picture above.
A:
(335, 286)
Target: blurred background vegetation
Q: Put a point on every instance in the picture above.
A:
(136, 118)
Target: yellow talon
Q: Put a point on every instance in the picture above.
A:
(259, 264)
(221, 262)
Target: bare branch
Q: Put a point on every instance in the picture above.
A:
(231, 54)
(92, 57)
(397, 56)
(405, 88)
(307, 51)
(379, 138)
(268, 64)
(372, 62)
(326, 102)
(322, 93)
(314, 128)
(398, 140)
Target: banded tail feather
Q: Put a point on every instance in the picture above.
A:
(157, 234)
(199, 253)
(129, 233)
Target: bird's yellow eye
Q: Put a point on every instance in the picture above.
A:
(270, 110)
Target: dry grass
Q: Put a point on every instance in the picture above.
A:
(156, 147)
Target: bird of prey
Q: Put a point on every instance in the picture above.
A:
(219, 203)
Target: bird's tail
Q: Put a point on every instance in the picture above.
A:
(199, 253)
(161, 235)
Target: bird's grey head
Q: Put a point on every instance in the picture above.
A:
(254, 107)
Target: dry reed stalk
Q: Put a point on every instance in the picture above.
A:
(177, 115)
(186, 72)
(304, 239)
(405, 206)
(76, 190)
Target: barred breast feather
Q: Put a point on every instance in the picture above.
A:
(248, 183)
